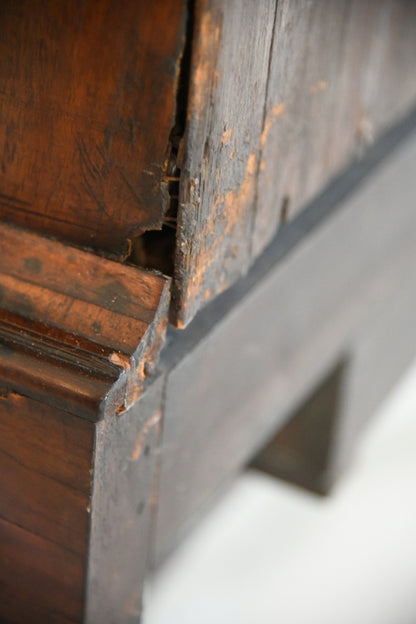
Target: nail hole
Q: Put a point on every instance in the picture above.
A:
(284, 210)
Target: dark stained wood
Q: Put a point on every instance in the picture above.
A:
(223, 387)
(39, 580)
(231, 47)
(45, 486)
(63, 441)
(41, 504)
(340, 73)
(87, 104)
(72, 324)
(122, 510)
(280, 102)
(76, 509)
(56, 471)
(79, 335)
(336, 285)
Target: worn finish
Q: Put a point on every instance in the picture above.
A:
(231, 46)
(99, 325)
(79, 335)
(87, 104)
(246, 363)
(340, 73)
(283, 97)
(122, 510)
(45, 485)
(76, 509)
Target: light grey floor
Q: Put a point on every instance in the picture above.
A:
(272, 554)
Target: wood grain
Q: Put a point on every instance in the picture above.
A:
(283, 97)
(45, 486)
(79, 335)
(236, 375)
(302, 451)
(87, 104)
(73, 324)
(231, 46)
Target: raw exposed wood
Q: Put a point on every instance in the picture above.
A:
(80, 331)
(45, 485)
(340, 73)
(231, 46)
(283, 96)
(87, 104)
(302, 450)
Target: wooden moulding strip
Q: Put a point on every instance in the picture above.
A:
(76, 330)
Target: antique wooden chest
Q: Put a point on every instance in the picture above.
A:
(244, 165)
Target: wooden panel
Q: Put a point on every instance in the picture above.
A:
(280, 102)
(30, 430)
(239, 370)
(122, 510)
(231, 46)
(39, 580)
(340, 73)
(32, 494)
(45, 488)
(87, 103)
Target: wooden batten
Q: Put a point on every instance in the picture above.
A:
(77, 331)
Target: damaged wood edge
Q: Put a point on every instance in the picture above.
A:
(67, 360)
(220, 152)
(155, 247)
(84, 383)
(205, 39)
(136, 370)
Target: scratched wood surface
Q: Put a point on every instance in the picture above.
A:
(340, 73)
(79, 335)
(87, 104)
(231, 47)
(309, 305)
(95, 322)
(283, 96)
(45, 485)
